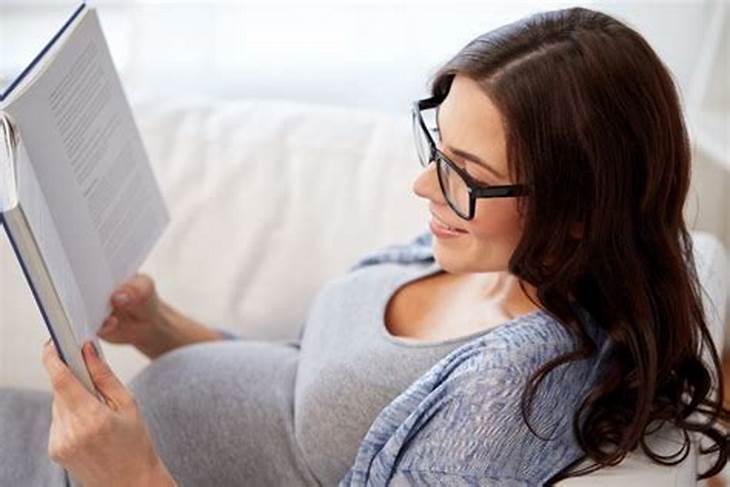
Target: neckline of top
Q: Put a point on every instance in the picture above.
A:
(421, 273)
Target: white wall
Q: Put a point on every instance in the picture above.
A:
(372, 53)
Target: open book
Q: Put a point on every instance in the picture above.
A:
(78, 198)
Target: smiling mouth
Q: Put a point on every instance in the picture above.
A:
(443, 225)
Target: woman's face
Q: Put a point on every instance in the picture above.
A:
(469, 122)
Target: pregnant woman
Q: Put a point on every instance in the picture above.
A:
(551, 315)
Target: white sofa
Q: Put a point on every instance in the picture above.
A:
(269, 199)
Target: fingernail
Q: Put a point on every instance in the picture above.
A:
(93, 350)
(121, 298)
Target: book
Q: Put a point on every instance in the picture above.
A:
(79, 201)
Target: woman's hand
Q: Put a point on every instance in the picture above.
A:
(100, 443)
(135, 317)
(140, 318)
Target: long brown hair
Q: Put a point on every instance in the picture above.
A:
(594, 127)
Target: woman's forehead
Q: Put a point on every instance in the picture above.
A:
(468, 120)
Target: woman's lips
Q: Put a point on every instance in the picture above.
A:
(439, 227)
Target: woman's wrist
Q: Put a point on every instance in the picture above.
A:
(175, 330)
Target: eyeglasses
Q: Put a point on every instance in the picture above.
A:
(459, 188)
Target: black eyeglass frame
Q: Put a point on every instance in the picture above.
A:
(475, 188)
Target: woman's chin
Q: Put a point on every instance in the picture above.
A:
(449, 260)
(461, 261)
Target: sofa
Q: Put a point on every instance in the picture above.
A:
(268, 200)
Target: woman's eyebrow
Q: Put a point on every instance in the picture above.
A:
(472, 157)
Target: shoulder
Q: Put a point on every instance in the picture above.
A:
(464, 418)
(515, 349)
(518, 349)
(479, 427)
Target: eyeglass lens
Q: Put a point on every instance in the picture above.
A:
(454, 187)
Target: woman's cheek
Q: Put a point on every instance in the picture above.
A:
(494, 218)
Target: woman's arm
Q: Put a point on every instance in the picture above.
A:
(176, 330)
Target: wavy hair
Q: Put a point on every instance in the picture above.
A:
(594, 127)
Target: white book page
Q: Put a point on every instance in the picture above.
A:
(91, 166)
(40, 221)
(8, 140)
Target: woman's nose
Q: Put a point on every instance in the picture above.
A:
(426, 184)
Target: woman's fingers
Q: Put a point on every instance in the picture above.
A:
(69, 390)
(65, 385)
(143, 283)
(121, 298)
(109, 325)
(114, 391)
(136, 288)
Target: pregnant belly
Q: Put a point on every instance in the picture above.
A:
(221, 413)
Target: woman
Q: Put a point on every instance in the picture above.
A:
(555, 315)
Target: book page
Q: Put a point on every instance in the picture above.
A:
(8, 142)
(91, 166)
(40, 221)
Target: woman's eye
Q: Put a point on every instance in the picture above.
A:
(475, 172)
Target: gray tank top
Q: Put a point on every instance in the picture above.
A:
(351, 366)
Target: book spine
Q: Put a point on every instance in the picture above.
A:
(10, 141)
(52, 310)
(36, 296)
